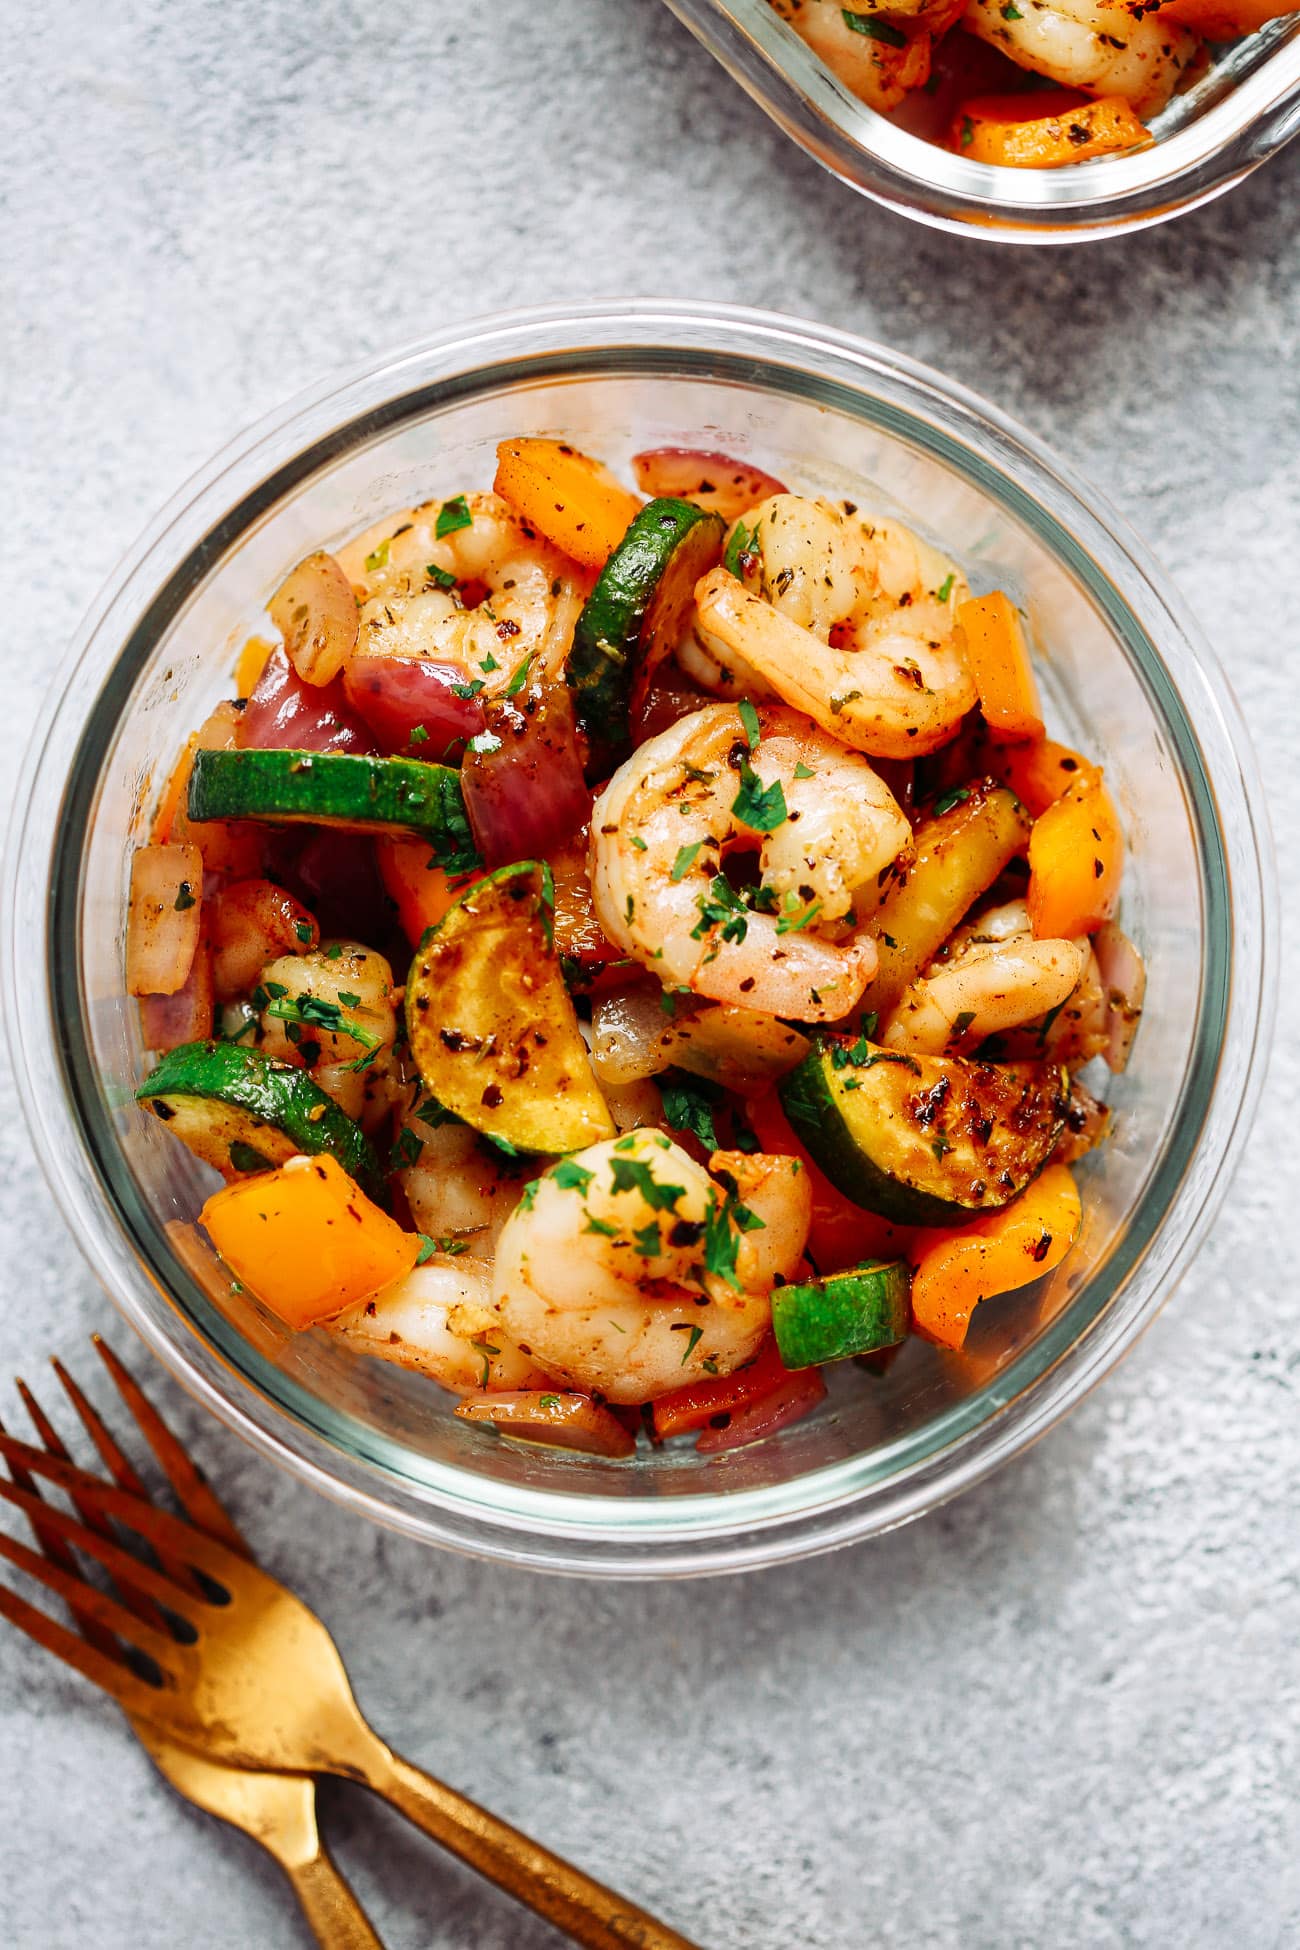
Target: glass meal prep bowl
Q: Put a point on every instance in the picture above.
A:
(1125, 677)
(1237, 114)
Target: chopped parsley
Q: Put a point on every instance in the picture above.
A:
(725, 1221)
(184, 898)
(634, 1175)
(802, 771)
(443, 577)
(694, 1335)
(945, 587)
(488, 663)
(601, 1226)
(685, 860)
(760, 807)
(471, 689)
(742, 555)
(689, 1104)
(749, 718)
(419, 735)
(571, 1177)
(947, 800)
(313, 1012)
(378, 558)
(874, 29)
(648, 1240)
(349, 1001)
(303, 930)
(520, 678)
(452, 515)
(406, 1148)
(721, 907)
(448, 1246)
(962, 1022)
(636, 840)
(791, 920)
(548, 1401)
(967, 132)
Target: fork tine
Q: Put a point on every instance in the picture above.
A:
(84, 1598)
(143, 1607)
(118, 1463)
(117, 1680)
(158, 1527)
(198, 1500)
(119, 1563)
(59, 1554)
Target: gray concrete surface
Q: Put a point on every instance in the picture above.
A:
(1066, 1710)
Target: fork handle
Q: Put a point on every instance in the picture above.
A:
(589, 1912)
(337, 1919)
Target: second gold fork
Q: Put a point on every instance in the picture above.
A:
(277, 1810)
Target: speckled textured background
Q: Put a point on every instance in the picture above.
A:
(1064, 1711)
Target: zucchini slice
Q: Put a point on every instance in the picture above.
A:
(635, 616)
(855, 1312)
(245, 1112)
(492, 1028)
(359, 794)
(957, 853)
(924, 1140)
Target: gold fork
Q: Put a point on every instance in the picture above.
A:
(277, 1810)
(263, 1686)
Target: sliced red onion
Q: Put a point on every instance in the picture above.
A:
(1124, 981)
(789, 1403)
(717, 481)
(523, 777)
(284, 714)
(412, 705)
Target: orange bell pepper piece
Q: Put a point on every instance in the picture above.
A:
(1076, 862)
(842, 1233)
(999, 663)
(571, 499)
(1044, 130)
(422, 892)
(306, 1240)
(954, 1271)
(1039, 771)
(252, 661)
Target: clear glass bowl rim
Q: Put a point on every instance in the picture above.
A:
(1257, 114)
(710, 1532)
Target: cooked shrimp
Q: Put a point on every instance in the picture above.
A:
(456, 1184)
(994, 977)
(879, 71)
(440, 1321)
(850, 618)
(1116, 49)
(400, 570)
(334, 1010)
(626, 1270)
(824, 825)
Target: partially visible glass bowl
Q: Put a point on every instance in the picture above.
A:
(1127, 678)
(1240, 112)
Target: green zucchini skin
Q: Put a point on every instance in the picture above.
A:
(221, 1096)
(635, 615)
(924, 1140)
(854, 1312)
(345, 789)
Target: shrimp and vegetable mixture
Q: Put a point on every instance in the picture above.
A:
(961, 71)
(625, 951)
